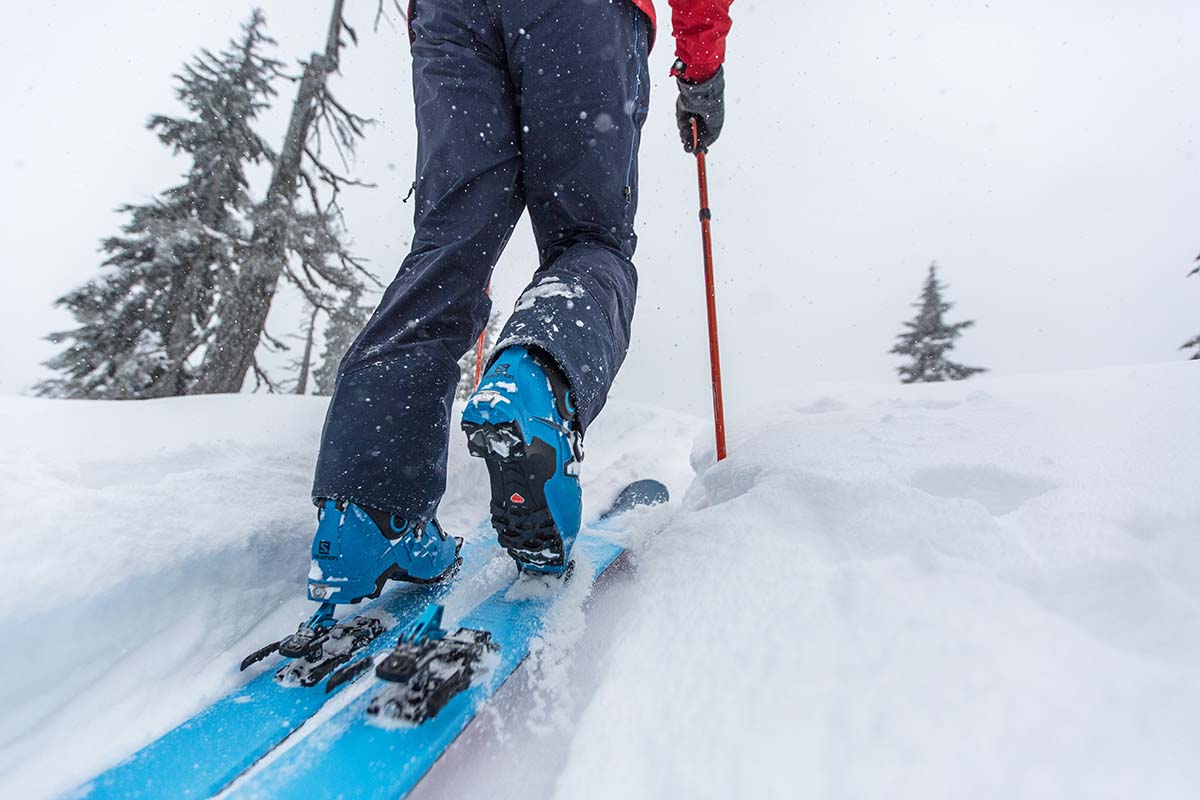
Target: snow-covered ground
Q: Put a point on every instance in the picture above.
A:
(986, 589)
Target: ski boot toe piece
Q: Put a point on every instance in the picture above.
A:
(520, 422)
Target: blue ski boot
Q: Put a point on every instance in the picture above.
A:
(521, 421)
(357, 550)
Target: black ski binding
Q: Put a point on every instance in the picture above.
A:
(429, 667)
(319, 646)
(337, 647)
(307, 638)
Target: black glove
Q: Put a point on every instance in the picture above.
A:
(705, 103)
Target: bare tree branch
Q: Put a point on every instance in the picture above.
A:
(312, 189)
(261, 378)
(320, 301)
(381, 14)
(273, 344)
(350, 262)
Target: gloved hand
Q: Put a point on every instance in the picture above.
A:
(705, 103)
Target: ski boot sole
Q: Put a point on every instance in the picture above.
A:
(518, 474)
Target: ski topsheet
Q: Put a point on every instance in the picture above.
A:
(204, 754)
(351, 755)
(217, 750)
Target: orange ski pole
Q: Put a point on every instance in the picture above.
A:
(479, 349)
(714, 349)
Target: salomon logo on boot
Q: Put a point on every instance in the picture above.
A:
(357, 550)
(520, 420)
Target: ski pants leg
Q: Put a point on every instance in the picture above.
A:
(520, 104)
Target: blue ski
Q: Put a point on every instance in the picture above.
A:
(206, 753)
(352, 755)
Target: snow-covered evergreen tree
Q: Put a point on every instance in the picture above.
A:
(1189, 344)
(303, 248)
(145, 321)
(345, 322)
(929, 338)
(466, 364)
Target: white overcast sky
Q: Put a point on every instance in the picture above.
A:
(1044, 153)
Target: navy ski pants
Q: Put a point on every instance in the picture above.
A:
(520, 104)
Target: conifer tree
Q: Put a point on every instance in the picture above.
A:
(303, 248)
(345, 322)
(145, 321)
(1196, 341)
(929, 338)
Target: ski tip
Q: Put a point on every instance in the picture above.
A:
(646, 492)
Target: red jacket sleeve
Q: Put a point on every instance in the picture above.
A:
(700, 27)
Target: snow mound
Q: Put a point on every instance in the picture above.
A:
(153, 544)
(989, 589)
(986, 589)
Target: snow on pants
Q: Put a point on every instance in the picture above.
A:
(520, 104)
